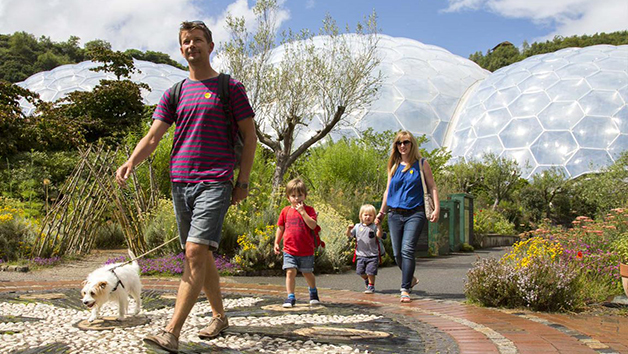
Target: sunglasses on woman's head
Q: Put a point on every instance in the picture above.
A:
(405, 142)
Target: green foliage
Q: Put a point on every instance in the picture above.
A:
(488, 221)
(16, 232)
(116, 62)
(338, 252)
(596, 193)
(506, 53)
(153, 57)
(108, 112)
(109, 236)
(160, 225)
(36, 177)
(541, 283)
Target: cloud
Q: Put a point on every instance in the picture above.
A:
(137, 24)
(310, 4)
(564, 17)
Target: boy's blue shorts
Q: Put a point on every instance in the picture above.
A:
(367, 265)
(304, 264)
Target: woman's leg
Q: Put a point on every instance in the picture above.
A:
(395, 226)
(413, 226)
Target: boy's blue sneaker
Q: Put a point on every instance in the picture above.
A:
(369, 289)
(314, 298)
(289, 302)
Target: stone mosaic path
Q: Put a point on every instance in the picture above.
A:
(46, 317)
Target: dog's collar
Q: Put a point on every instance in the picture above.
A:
(118, 283)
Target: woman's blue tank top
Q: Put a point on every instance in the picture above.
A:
(405, 190)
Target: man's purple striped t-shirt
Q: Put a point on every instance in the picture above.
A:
(201, 151)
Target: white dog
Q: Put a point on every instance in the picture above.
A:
(113, 283)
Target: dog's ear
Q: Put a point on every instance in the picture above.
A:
(102, 285)
(84, 282)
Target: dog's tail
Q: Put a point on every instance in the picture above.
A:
(132, 256)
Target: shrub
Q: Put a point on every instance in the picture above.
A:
(160, 225)
(532, 275)
(16, 232)
(487, 221)
(256, 250)
(338, 252)
(109, 236)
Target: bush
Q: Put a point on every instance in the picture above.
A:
(16, 232)
(160, 225)
(487, 221)
(338, 252)
(256, 250)
(109, 236)
(532, 275)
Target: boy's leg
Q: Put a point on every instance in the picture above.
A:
(371, 279)
(291, 275)
(311, 282)
(310, 279)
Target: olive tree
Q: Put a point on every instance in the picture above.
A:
(317, 86)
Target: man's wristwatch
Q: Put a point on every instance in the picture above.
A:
(242, 185)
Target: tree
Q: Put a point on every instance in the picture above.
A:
(308, 82)
(116, 62)
(12, 120)
(500, 176)
(549, 184)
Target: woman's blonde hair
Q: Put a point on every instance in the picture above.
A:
(367, 208)
(395, 156)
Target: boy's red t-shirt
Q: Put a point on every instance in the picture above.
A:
(297, 236)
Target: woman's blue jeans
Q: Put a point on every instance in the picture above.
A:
(405, 230)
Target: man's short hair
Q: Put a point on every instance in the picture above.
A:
(296, 185)
(192, 25)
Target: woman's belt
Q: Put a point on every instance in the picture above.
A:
(407, 211)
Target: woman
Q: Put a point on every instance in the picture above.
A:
(403, 199)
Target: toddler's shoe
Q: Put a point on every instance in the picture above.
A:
(314, 299)
(369, 289)
(289, 302)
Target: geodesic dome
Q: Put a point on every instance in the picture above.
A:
(56, 83)
(421, 88)
(566, 109)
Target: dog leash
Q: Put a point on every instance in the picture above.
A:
(142, 255)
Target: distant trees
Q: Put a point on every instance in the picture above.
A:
(504, 55)
(22, 55)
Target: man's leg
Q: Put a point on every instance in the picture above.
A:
(192, 281)
(211, 287)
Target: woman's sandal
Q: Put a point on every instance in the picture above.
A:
(415, 281)
(405, 298)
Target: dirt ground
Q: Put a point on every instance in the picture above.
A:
(76, 269)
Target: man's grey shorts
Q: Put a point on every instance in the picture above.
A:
(200, 209)
(304, 264)
(367, 265)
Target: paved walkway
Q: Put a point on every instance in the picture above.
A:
(430, 325)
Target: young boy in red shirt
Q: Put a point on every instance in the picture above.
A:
(296, 225)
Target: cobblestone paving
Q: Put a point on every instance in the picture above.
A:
(48, 322)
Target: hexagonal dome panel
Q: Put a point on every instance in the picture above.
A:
(56, 83)
(569, 108)
(422, 87)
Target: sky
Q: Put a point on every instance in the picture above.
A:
(463, 27)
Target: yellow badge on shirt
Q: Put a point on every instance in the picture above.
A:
(208, 94)
(411, 171)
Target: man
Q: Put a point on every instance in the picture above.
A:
(201, 171)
